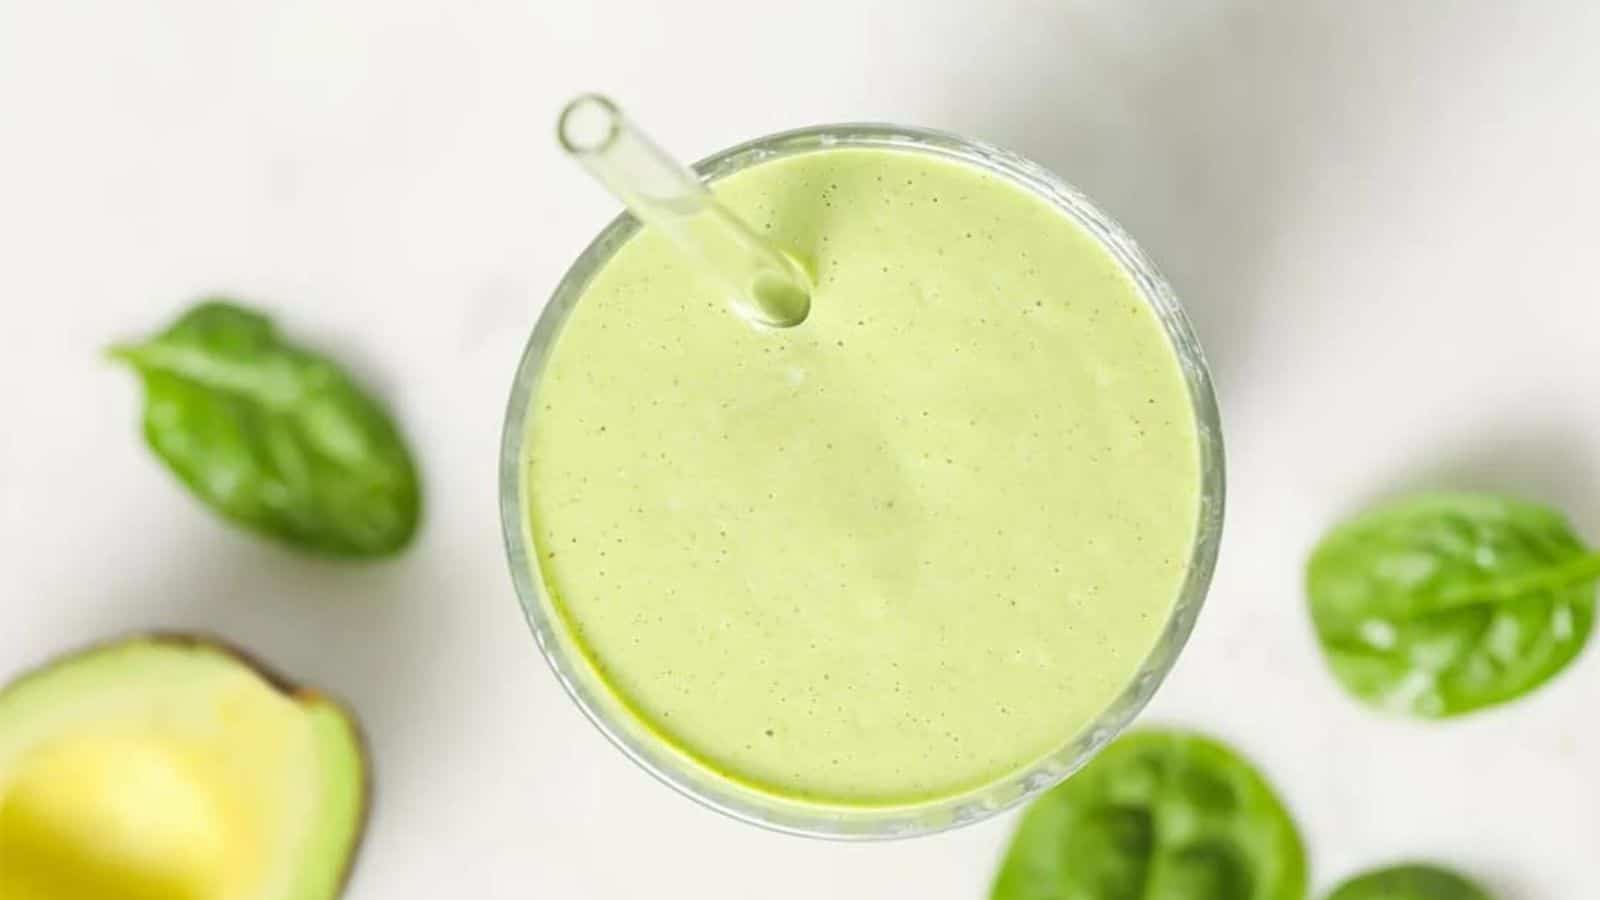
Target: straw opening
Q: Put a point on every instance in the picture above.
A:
(589, 124)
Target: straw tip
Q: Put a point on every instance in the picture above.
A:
(588, 124)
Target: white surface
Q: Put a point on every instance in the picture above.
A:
(1383, 217)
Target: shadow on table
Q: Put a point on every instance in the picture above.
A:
(1194, 125)
(369, 634)
(1545, 462)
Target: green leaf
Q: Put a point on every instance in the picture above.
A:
(274, 437)
(1442, 604)
(1158, 815)
(1411, 881)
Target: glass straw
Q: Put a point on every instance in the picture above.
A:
(768, 285)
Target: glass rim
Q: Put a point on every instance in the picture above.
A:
(684, 773)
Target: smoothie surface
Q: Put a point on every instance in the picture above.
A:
(901, 550)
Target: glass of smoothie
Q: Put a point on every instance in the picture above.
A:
(897, 567)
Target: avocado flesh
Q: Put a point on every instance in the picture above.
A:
(171, 769)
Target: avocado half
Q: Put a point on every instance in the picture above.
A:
(173, 768)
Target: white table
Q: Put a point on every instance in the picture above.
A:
(1385, 218)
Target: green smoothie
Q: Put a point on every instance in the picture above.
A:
(902, 550)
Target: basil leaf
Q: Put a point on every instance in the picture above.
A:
(275, 437)
(1158, 815)
(1442, 604)
(1412, 881)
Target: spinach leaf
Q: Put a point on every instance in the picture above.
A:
(1442, 604)
(1158, 815)
(275, 437)
(1412, 881)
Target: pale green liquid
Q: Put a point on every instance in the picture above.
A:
(899, 551)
